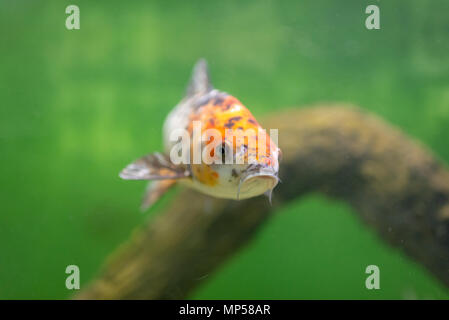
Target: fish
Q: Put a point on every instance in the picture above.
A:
(212, 144)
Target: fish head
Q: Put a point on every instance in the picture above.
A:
(242, 158)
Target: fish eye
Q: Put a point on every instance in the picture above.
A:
(223, 150)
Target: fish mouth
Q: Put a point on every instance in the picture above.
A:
(255, 181)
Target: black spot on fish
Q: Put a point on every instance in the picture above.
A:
(234, 173)
(230, 123)
(252, 121)
(235, 118)
(227, 106)
(218, 101)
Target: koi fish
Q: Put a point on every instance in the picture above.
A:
(224, 177)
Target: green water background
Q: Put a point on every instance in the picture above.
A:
(76, 106)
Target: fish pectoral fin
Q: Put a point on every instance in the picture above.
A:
(154, 191)
(154, 166)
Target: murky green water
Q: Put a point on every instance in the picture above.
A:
(76, 106)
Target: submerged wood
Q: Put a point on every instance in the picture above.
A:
(396, 186)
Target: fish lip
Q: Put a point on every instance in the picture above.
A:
(258, 171)
(260, 175)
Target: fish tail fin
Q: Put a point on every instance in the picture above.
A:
(200, 81)
(154, 192)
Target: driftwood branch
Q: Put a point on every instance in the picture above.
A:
(395, 185)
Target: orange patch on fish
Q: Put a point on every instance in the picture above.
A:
(205, 174)
(228, 114)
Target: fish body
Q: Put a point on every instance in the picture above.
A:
(227, 154)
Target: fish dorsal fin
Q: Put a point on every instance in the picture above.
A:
(200, 81)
